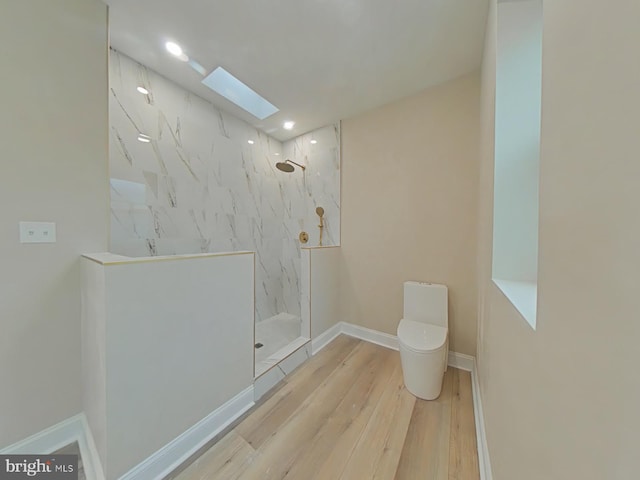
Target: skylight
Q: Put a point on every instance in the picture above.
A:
(225, 84)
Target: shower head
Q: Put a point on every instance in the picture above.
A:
(320, 211)
(288, 166)
(285, 167)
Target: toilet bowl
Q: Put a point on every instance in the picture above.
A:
(423, 337)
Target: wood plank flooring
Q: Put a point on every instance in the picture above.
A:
(345, 414)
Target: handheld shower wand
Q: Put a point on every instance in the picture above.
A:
(320, 212)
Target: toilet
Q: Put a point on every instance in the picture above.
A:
(423, 335)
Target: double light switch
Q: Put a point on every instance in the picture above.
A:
(37, 232)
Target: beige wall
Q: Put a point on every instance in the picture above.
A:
(562, 402)
(409, 185)
(53, 144)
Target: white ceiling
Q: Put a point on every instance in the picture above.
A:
(318, 61)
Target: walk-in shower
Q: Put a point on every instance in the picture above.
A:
(198, 185)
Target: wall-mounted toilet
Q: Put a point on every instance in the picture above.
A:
(423, 335)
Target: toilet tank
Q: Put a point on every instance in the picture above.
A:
(426, 302)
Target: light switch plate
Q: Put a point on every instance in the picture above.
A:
(37, 232)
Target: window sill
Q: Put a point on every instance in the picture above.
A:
(523, 296)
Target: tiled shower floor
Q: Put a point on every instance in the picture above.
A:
(280, 335)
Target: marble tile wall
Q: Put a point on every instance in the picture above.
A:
(317, 186)
(198, 186)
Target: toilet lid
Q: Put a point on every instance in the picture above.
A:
(422, 337)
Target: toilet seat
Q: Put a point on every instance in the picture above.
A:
(421, 337)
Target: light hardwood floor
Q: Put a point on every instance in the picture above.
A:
(345, 414)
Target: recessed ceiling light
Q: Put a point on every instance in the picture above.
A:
(144, 138)
(143, 90)
(313, 142)
(173, 48)
(250, 142)
(288, 125)
(276, 153)
(225, 84)
(176, 50)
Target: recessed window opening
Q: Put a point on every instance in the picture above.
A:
(517, 154)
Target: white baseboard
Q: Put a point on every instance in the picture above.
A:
(461, 361)
(90, 459)
(49, 440)
(371, 336)
(325, 338)
(456, 360)
(484, 462)
(174, 453)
